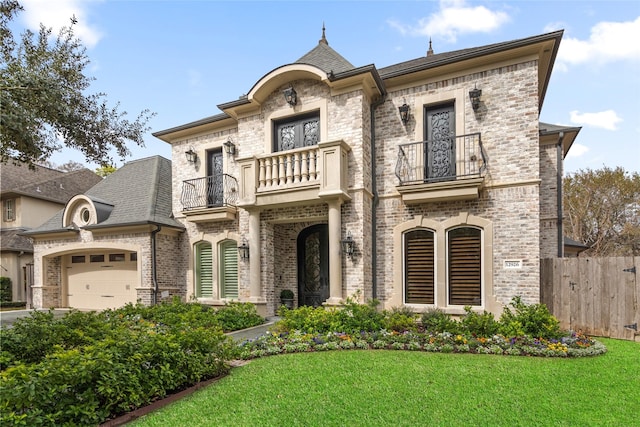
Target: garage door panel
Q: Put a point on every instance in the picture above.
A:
(97, 286)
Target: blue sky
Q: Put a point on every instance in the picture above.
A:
(181, 59)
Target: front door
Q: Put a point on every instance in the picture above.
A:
(440, 134)
(313, 265)
(215, 184)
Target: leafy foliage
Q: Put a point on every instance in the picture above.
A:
(6, 291)
(534, 320)
(44, 98)
(86, 367)
(603, 210)
(436, 320)
(480, 325)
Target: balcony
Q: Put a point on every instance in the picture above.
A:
(301, 176)
(443, 169)
(212, 198)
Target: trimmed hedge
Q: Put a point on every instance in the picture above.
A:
(85, 368)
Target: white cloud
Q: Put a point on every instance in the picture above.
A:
(454, 18)
(608, 42)
(577, 150)
(57, 14)
(604, 119)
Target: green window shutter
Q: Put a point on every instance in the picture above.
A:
(419, 267)
(204, 271)
(229, 269)
(465, 269)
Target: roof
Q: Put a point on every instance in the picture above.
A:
(45, 183)
(138, 193)
(331, 62)
(12, 241)
(573, 243)
(325, 58)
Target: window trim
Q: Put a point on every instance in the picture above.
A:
(441, 228)
(232, 245)
(287, 112)
(9, 210)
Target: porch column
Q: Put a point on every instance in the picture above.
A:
(335, 253)
(254, 257)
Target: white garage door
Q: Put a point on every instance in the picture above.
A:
(97, 281)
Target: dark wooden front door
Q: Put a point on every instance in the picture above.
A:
(313, 265)
(440, 134)
(215, 179)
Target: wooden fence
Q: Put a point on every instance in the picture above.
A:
(598, 296)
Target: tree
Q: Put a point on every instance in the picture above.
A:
(71, 166)
(105, 170)
(603, 211)
(43, 102)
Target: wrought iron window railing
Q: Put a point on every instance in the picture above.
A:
(209, 192)
(445, 159)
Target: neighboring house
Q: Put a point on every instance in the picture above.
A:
(29, 197)
(114, 244)
(573, 248)
(429, 184)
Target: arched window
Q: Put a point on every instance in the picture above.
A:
(419, 267)
(464, 261)
(228, 262)
(203, 270)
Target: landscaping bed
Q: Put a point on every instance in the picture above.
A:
(522, 330)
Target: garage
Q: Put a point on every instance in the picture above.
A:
(101, 280)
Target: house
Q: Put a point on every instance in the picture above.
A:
(113, 244)
(430, 183)
(436, 171)
(29, 197)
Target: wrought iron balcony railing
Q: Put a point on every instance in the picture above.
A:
(209, 192)
(438, 160)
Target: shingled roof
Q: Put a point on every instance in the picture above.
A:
(45, 183)
(325, 58)
(139, 193)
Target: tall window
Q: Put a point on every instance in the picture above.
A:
(440, 149)
(203, 270)
(228, 254)
(9, 210)
(301, 131)
(464, 260)
(419, 267)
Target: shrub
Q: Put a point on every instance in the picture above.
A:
(6, 291)
(354, 317)
(306, 318)
(400, 319)
(534, 320)
(238, 315)
(286, 294)
(479, 325)
(437, 321)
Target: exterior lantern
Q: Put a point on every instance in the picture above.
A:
(348, 245)
(243, 250)
(404, 113)
(474, 95)
(192, 156)
(229, 148)
(290, 96)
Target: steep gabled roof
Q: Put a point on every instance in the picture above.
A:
(139, 193)
(325, 58)
(45, 183)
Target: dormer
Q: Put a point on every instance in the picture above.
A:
(83, 210)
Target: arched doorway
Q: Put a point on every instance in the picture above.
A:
(313, 265)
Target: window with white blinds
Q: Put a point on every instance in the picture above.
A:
(228, 269)
(204, 270)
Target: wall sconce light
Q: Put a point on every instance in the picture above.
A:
(348, 245)
(290, 96)
(229, 148)
(474, 95)
(243, 250)
(192, 156)
(404, 113)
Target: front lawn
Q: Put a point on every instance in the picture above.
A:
(403, 388)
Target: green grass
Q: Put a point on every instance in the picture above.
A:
(402, 388)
